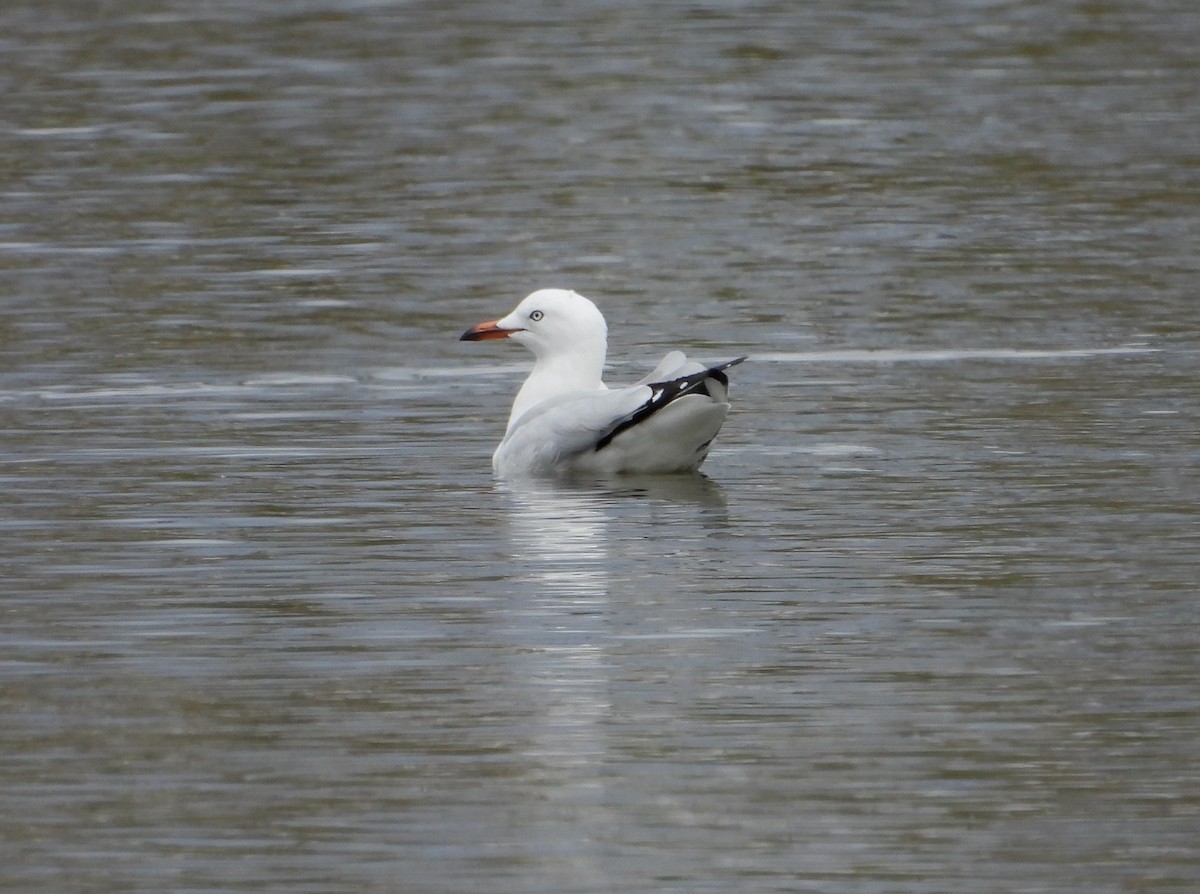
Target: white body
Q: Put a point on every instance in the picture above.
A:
(565, 419)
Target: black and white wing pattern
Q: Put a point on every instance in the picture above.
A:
(710, 382)
(665, 423)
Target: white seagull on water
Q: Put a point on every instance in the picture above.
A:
(565, 419)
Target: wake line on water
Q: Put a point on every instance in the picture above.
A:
(269, 381)
(887, 355)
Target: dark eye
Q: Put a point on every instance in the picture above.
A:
(536, 315)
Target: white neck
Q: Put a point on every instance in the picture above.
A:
(559, 374)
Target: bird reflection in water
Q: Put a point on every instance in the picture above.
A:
(566, 656)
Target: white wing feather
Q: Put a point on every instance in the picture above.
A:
(672, 366)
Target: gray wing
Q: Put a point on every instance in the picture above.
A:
(665, 423)
(558, 430)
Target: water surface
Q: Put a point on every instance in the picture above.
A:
(929, 622)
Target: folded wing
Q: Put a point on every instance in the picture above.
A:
(664, 423)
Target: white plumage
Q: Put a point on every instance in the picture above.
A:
(565, 419)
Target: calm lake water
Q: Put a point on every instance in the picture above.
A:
(929, 624)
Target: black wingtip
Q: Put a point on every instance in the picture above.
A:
(718, 371)
(665, 392)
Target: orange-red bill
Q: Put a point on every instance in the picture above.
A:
(484, 331)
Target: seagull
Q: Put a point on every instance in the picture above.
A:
(566, 420)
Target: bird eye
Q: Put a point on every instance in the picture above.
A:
(535, 315)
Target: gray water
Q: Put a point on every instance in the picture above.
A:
(929, 624)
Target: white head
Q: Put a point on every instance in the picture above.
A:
(549, 322)
(552, 323)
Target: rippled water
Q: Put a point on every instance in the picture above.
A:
(928, 624)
